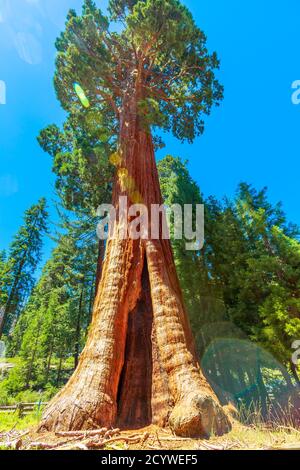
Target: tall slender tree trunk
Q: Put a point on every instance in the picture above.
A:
(58, 377)
(295, 373)
(263, 393)
(78, 330)
(139, 364)
(49, 362)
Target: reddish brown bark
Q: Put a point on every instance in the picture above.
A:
(136, 388)
(139, 364)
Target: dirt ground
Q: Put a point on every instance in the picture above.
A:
(152, 438)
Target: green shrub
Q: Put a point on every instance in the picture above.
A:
(13, 388)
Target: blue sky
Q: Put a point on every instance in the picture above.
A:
(252, 137)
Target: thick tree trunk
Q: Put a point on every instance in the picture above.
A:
(139, 364)
(58, 377)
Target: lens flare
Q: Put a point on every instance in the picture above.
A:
(81, 95)
(115, 159)
(126, 181)
(136, 197)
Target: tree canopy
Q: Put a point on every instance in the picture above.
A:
(159, 52)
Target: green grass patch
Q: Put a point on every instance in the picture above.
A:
(10, 421)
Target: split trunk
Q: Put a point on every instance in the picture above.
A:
(139, 364)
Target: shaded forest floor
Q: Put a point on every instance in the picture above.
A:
(152, 438)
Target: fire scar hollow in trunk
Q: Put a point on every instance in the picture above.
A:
(135, 386)
(139, 364)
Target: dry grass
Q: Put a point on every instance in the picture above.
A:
(256, 435)
(261, 437)
(153, 438)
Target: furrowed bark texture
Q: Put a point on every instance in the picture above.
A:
(139, 364)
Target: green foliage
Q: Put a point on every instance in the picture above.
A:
(254, 259)
(248, 272)
(13, 387)
(119, 8)
(178, 61)
(18, 270)
(80, 160)
(52, 328)
(178, 187)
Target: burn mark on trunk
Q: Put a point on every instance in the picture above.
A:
(135, 386)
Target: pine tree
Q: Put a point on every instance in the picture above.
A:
(254, 258)
(17, 275)
(53, 326)
(80, 160)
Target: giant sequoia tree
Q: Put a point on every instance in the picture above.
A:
(139, 364)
